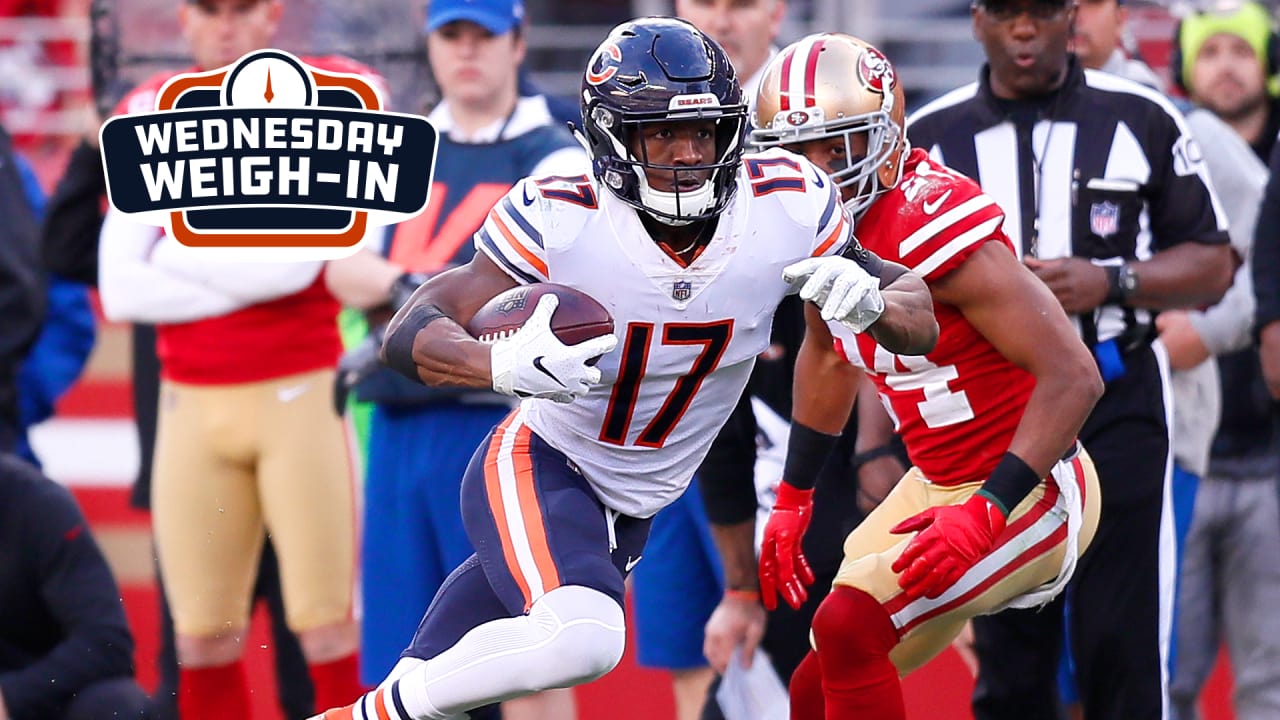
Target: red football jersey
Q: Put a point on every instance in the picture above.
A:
(957, 407)
(288, 335)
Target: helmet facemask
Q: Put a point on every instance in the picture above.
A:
(627, 175)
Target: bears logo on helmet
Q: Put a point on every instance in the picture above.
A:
(607, 52)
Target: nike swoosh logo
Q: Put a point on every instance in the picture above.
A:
(537, 363)
(528, 200)
(631, 562)
(819, 178)
(932, 207)
(293, 392)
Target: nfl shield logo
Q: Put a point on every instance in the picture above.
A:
(1104, 218)
(682, 290)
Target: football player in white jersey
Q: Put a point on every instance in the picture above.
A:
(1001, 499)
(685, 242)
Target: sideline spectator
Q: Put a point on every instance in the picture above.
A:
(65, 648)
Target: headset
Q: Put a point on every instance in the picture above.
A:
(1270, 54)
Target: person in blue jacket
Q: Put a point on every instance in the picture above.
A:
(66, 338)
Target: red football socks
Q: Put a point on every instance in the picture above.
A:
(806, 690)
(213, 693)
(337, 682)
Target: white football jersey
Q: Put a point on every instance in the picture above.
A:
(687, 336)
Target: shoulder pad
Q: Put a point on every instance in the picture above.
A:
(803, 190)
(563, 203)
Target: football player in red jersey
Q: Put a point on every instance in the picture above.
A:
(1001, 499)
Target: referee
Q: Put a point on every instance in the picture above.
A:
(1105, 193)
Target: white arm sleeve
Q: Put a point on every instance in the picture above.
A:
(132, 289)
(248, 282)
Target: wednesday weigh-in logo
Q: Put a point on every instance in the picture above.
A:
(269, 153)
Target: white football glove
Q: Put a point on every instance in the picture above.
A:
(845, 292)
(533, 362)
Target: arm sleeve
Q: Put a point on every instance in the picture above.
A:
(1266, 249)
(726, 477)
(1227, 326)
(134, 290)
(1184, 207)
(966, 220)
(82, 597)
(1239, 178)
(247, 282)
(511, 234)
(73, 222)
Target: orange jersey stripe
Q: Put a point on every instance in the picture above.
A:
(831, 239)
(529, 257)
(534, 528)
(493, 488)
(380, 705)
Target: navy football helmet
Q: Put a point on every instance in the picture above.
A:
(662, 70)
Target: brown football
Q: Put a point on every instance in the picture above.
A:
(578, 317)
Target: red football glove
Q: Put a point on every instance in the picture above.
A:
(783, 569)
(951, 539)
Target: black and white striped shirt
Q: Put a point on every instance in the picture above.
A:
(1103, 168)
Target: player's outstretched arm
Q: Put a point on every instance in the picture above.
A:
(427, 336)
(867, 294)
(822, 398)
(907, 326)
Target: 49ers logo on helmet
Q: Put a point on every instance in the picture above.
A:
(875, 72)
(607, 59)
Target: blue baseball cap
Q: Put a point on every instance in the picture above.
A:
(496, 16)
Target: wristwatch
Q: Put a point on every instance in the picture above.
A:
(1122, 283)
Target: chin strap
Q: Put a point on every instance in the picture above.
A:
(670, 208)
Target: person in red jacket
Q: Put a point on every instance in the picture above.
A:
(247, 440)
